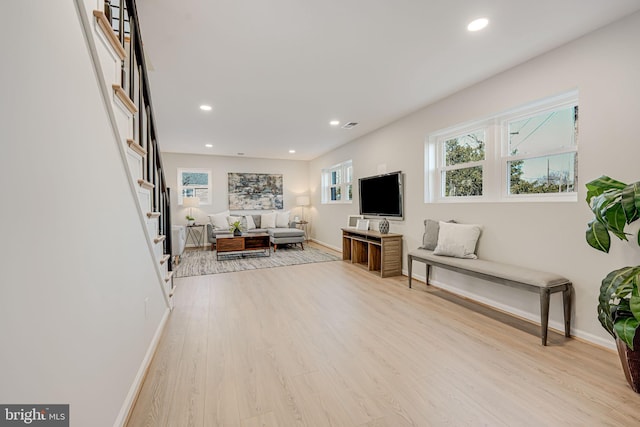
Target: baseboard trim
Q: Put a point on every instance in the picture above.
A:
(134, 390)
(326, 245)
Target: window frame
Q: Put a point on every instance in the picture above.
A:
(442, 168)
(346, 171)
(200, 191)
(506, 157)
(496, 173)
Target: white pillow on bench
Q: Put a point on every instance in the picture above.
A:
(457, 240)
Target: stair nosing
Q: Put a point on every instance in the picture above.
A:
(111, 36)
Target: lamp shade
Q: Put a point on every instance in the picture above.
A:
(302, 201)
(191, 202)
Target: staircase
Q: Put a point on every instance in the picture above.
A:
(112, 32)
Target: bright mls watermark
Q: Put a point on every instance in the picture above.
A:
(34, 415)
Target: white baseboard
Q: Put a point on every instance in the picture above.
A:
(335, 248)
(533, 317)
(127, 406)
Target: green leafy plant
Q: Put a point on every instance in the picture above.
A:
(236, 227)
(190, 218)
(615, 205)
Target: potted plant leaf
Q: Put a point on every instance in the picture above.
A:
(190, 220)
(615, 205)
(236, 228)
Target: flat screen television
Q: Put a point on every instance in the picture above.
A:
(381, 195)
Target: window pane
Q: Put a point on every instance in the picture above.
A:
(195, 178)
(349, 174)
(349, 192)
(463, 182)
(549, 174)
(544, 132)
(335, 177)
(464, 148)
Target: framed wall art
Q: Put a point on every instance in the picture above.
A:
(255, 191)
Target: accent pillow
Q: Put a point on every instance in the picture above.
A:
(268, 220)
(219, 221)
(282, 219)
(457, 240)
(250, 225)
(231, 219)
(430, 236)
(256, 220)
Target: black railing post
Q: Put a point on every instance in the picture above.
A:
(166, 214)
(123, 77)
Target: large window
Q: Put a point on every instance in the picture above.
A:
(337, 183)
(541, 152)
(529, 153)
(194, 183)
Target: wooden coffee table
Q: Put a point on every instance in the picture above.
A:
(246, 244)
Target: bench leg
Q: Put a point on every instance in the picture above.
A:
(426, 278)
(566, 302)
(409, 265)
(544, 313)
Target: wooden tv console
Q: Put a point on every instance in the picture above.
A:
(379, 253)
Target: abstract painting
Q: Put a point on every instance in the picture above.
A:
(255, 191)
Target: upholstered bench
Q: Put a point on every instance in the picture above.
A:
(505, 274)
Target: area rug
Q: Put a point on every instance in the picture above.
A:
(199, 263)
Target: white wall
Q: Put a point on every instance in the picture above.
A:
(604, 66)
(76, 268)
(294, 176)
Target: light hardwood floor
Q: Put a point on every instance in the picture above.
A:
(329, 344)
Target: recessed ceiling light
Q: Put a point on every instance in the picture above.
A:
(240, 154)
(205, 107)
(334, 122)
(478, 24)
(208, 145)
(292, 151)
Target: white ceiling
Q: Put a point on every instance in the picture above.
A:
(277, 71)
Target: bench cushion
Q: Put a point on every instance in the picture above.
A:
(510, 272)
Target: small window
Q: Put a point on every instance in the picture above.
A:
(194, 183)
(462, 163)
(542, 151)
(337, 183)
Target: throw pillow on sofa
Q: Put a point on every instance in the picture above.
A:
(248, 220)
(282, 219)
(268, 220)
(219, 221)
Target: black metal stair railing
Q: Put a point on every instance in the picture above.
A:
(123, 16)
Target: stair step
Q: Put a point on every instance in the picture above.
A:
(112, 37)
(122, 96)
(136, 147)
(164, 259)
(159, 239)
(146, 184)
(153, 214)
(168, 278)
